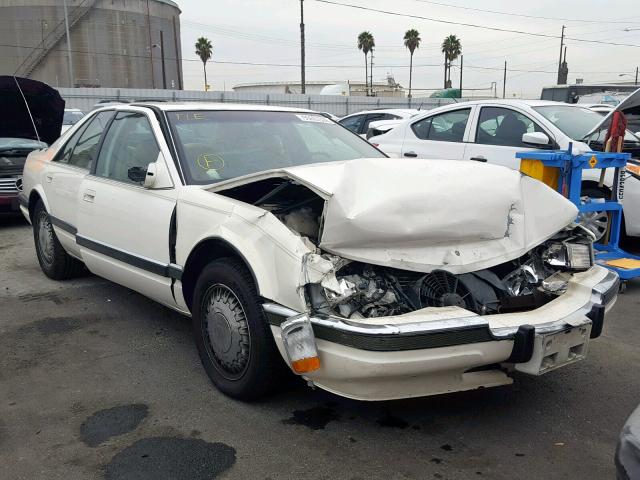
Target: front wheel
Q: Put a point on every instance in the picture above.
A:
(54, 261)
(234, 340)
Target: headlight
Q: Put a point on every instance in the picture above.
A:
(580, 256)
(569, 256)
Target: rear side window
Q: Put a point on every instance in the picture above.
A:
(445, 127)
(81, 149)
(129, 147)
(353, 123)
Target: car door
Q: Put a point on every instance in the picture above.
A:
(64, 174)
(440, 136)
(124, 228)
(498, 136)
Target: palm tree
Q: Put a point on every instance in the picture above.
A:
(452, 48)
(411, 41)
(366, 43)
(204, 50)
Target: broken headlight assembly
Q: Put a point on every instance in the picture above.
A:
(569, 256)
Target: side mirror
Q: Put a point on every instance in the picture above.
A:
(156, 175)
(150, 177)
(538, 139)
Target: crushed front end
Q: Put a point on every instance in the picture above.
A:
(380, 333)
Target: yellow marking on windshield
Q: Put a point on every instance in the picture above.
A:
(210, 161)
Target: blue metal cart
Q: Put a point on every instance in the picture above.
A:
(569, 184)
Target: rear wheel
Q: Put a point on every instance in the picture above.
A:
(233, 337)
(54, 261)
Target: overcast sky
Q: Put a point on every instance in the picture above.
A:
(267, 31)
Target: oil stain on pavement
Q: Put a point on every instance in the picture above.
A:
(315, 418)
(171, 458)
(112, 422)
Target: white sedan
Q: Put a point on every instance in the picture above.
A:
(295, 245)
(494, 130)
(360, 122)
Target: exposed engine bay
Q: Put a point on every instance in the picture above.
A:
(353, 289)
(364, 291)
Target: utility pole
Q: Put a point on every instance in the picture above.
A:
(164, 76)
(461, 64)
(178, 66)
(636, 75)
(66, 25)
(504, 81)
(561, 50)
(371, 74)
(153, 80)
(302, 79)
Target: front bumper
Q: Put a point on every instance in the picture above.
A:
(438, 350)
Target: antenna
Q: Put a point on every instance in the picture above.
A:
(28, 109)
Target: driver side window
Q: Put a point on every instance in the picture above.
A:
(503, 126)
(129, 147)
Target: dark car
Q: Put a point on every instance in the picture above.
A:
(34, 113)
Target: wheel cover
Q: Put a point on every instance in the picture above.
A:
(596, 222)
(227, 331)
(45, 238)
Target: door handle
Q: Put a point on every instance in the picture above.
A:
(48, 178)
(410, 154)
(89, 196)
(479, 158)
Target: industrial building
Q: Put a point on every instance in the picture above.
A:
(390, 88)
(114, 43)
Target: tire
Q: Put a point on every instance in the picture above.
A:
(54, 261)
(234, 340)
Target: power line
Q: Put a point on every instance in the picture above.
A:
(296, 65)
(511, 14)
(471, 25)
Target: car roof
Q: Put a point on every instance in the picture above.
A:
(400, 111)
(179, 106)
(511, 102)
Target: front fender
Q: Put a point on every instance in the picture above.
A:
(272, 252)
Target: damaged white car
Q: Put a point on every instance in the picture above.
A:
(292, 242)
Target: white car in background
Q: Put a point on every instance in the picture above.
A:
(70, 118)
(494, 130)
(359, 122)
(293, 243)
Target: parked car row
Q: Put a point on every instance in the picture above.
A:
(494, 130)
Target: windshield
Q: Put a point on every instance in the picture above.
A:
(71, 117)
(576, 122)
(10, 143)
(220, 145)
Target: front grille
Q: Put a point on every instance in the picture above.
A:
(8, 185)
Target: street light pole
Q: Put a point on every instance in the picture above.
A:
(66, 25)
(302, 79)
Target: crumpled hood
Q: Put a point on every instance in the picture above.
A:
(420, 215)
(45, 103)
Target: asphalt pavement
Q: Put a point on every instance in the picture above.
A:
(97, 381)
